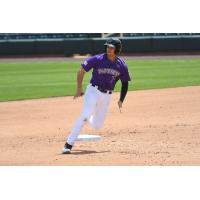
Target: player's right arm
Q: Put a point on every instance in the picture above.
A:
(86, 66)
(79, 79)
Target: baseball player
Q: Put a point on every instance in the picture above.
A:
(108, 68)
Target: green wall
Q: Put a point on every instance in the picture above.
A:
(69, 47)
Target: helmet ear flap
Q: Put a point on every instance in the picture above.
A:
(118, 49)
(105, 48)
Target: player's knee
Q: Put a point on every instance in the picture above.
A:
(85, 119)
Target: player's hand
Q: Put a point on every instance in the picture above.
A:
(120, 105)
(79, 93)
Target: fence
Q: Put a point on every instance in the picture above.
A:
(69, 47)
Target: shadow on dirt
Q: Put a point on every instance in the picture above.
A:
(84, 152)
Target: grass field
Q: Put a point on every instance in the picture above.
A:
(28, 80)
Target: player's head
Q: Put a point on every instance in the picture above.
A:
(113, 46)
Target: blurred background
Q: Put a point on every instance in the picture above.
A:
(69, 44)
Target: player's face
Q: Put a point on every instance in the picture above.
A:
(110, 51)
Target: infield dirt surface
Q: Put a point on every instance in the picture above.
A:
(156, 127)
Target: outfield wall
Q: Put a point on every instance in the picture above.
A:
(69, 47)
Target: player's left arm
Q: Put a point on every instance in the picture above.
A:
(124, 89)
(125, 78)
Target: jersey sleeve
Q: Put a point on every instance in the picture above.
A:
(124, 76)
(89, 63)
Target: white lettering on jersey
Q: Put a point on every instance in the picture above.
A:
(108, 71)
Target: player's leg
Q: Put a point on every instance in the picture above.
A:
(97, 119)
(90, 101)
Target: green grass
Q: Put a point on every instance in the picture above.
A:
(27, 80)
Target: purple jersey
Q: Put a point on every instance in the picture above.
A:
(105, 72)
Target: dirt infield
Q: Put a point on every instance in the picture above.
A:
(157, 127)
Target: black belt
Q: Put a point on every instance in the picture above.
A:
(101, 90)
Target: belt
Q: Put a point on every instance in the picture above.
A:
(101, 90)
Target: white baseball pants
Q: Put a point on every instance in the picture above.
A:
(94, 111)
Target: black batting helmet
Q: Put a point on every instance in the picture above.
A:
(114, 42)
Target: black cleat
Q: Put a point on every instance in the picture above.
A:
(67, 148)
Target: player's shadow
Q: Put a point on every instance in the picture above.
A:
(85, 152)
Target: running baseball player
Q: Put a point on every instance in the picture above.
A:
(108, 68)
